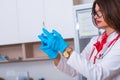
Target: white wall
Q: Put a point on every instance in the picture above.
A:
(37, 69)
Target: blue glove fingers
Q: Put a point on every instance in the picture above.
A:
(54, 44)
(44, 41)
(47, 33)
(43, 46)
(42, 38)
(56, 33)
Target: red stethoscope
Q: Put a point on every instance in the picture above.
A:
(99, 55)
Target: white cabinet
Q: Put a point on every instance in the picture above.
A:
(30, 18)
(8, 22)
(59, 16)
(21, 20)
(86, 1)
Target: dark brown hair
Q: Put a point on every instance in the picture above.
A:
(2, 78)
(111, 12)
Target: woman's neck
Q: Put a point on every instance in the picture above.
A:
(109, 30)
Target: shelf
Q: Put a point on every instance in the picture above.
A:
(30, 50)
(25, 52)
(11, 51)
(25, 60)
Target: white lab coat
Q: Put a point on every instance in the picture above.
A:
(106, 68)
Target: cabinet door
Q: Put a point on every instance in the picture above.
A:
(30, 19)
(8, 22)
(59, 16)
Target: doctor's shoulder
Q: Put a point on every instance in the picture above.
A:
(94, 39)
(116, 46)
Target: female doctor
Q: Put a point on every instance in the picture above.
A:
(100, 60)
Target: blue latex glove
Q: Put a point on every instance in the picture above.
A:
(52, 54)
(62, 44)
(55, 40)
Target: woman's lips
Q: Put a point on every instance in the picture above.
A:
(98, 22)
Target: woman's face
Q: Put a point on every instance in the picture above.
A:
(98, 16)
